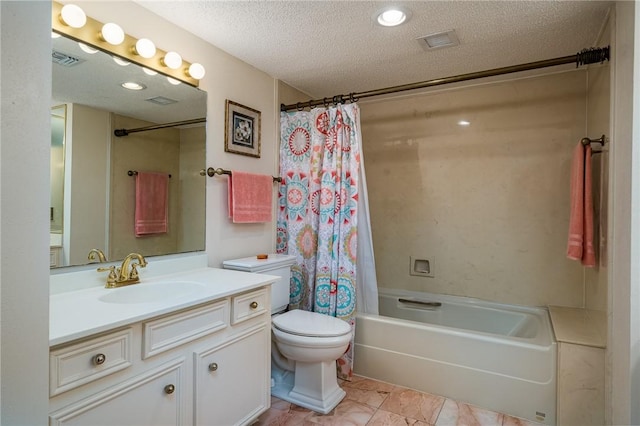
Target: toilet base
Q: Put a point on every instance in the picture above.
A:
(313, 386)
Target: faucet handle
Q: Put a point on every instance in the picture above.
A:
(112, 277)
(133, 275)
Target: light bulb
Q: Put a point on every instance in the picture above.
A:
(173, 60)
(145, 48)
(73, 16)
(88, 49)
(148, 71)
(196, 71)
(173, 81)
(112, 33)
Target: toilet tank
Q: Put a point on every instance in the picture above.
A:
(274, 264)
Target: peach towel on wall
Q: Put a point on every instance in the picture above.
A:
(250, 197)
(152, 203)
(580, 242)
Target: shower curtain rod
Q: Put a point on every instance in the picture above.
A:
(584, 57)
(125, 132)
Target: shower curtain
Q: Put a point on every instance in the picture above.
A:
(318, 211)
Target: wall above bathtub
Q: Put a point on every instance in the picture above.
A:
(490, 200)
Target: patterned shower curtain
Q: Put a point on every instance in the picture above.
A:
(317, 218)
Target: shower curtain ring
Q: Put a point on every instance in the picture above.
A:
(326, 103)
(352, 98)
(310, 105)
(335, 100)
(300, 108)
(341, 99)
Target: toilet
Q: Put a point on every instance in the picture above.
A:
(305, 345)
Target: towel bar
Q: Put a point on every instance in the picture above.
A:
(135, 172)
(219, 171)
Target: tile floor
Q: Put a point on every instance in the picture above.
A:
(372, 403)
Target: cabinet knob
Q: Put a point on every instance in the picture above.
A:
(213, 366)
(253, 305)
(169, 389)
(99, 359)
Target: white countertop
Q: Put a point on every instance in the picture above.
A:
(80, 313)
(579, 326)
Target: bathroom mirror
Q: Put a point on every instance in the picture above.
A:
(98, 191)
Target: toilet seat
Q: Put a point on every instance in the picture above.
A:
(310, 324)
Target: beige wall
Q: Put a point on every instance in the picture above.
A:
(24, 222)
(191, 231)
(598, 124)
(489, 202)
(156, 151)
(86, 182)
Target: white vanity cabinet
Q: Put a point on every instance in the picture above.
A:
(204, 365)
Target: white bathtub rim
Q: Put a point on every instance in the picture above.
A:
(545, 337)
(472, 334)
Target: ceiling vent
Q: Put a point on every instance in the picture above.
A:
(439, 40)
(161, 100)
(64, 59)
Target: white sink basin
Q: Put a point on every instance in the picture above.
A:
(152, 292)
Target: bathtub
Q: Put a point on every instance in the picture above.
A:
(495, 356)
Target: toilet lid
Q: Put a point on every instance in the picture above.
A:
(312, 324)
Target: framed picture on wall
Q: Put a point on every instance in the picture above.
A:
(242, 130)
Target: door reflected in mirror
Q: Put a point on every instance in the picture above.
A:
(95, 205)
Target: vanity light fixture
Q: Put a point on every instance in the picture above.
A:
(391, 16)
(132, 85)
(73, 16)
(112, 33)
(173, 60)
(111, 38)
(145, 48)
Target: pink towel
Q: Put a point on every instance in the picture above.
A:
(580, 242)
(250, 197)
(152, 196)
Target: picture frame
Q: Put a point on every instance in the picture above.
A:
(242, 130)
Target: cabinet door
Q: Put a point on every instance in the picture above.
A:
(232, 380)
(154, 398)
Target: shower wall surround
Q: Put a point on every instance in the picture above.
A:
(489, 202)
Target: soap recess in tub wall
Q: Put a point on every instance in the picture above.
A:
(422, 266)
(262, 256)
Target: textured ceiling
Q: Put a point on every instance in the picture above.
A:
(326, 48)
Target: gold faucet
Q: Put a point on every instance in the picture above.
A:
(127, 273)
(96, 252)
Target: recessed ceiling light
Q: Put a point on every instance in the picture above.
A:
(391, 16)
(464, 123)
(132, 85)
